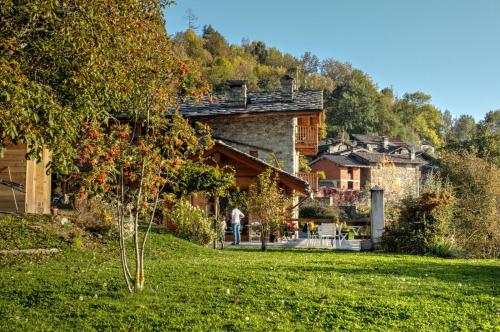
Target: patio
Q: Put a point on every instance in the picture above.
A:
(351, 245)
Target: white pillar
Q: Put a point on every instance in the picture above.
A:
(377, 215)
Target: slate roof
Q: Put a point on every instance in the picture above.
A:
(376, 140)
(257, 102)
(375, 157)
(341, 160)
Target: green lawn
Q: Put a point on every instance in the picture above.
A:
(193, 288)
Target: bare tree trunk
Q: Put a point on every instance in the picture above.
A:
(264, 235)
(138, 268)
(216, 225)
(143, 246)
(121, 236)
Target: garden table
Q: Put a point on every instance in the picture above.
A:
(341, 236)
(356, 229)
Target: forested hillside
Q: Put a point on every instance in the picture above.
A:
(353, 102)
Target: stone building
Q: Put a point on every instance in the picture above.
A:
(273, 126)
(398, 174)
(367, 161)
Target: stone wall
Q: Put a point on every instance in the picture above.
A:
(263, 134)
(397, 181)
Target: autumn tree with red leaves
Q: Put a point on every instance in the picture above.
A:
(100, 76)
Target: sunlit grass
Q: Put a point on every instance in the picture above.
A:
(193, 288)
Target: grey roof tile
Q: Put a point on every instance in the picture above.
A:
(258, 102)
(375, 157)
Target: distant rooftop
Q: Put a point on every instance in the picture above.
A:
(341, 160)
(219, 104)
(376, 140)
(376, 157)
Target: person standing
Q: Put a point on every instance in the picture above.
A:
(236, 216)
(222, 231)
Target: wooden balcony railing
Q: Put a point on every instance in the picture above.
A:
(307, 135)
(306, 140)
(311, 178)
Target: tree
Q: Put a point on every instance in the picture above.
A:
(476, 183)
(486, 141)
(492, 120)
(422, 120)
(215, 43)
(100, 76)
(352, 105)
(259, 50)
(338, 71)
(447, 125)
(388, 122)
(192, 19)
(268, 204)
(464, 128)
(310, 63)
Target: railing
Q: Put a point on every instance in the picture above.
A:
(307, 135)
(311, 178)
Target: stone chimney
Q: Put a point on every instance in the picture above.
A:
(288, 88)
(385, 141)
(236, 93)
(412, 153)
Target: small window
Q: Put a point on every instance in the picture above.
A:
(350, 185)
(254, 153)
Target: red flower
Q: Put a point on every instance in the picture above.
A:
(101, 178)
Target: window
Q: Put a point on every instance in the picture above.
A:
(350, 185)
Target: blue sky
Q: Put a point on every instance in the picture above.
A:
(449, 49)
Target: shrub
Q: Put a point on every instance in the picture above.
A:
(191, 223)
(423, 222)
(96, 216)
(317, 210)
(442, 248)
(476, 183)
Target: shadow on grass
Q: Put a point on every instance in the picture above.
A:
(484, 277)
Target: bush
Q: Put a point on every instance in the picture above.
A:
(443, 248)
(423, 222)
(317, 210)
(191, 223)
(476, 183)
(96, 216)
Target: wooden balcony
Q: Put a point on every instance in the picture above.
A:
(311, 178)
(306, 140)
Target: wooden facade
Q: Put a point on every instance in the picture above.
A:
(30, 188)
(308, 133)
(247, 168)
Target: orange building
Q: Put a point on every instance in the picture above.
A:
(343, 171)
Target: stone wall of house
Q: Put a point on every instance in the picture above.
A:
(262, 135)
(397, 180)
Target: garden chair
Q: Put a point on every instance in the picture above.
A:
(312, 233)
(339, 235)
(327, 231)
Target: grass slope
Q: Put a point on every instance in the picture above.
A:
(193, 288)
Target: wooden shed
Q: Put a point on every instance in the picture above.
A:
(24, 184)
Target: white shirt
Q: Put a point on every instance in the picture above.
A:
(236, 215)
